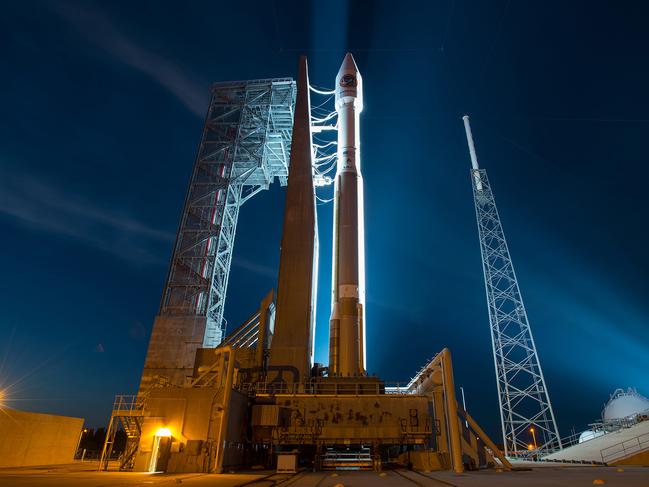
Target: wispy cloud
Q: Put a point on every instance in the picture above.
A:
(255, 268)
(100, 31)
(47, 208)
(44, 207)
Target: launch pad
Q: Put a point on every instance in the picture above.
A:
(86, 475)
(258, 399)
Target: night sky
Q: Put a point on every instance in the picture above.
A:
(102, 107)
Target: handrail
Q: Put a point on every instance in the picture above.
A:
(605, 427)
(128, 402)
(574, 439)
(620, 423)
(331, 388)
(625, 448)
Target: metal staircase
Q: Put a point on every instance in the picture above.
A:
(128, 411)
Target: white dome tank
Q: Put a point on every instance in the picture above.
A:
(589, 435)
(624, 404)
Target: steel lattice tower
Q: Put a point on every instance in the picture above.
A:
(525, 409)
(245, 146)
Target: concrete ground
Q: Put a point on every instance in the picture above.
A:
(86, 475)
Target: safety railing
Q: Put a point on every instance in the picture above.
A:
(325, 387)
(573, 439)
(625, 448)
(620, 423)
(398, 388)
(128, 403)
(601, 428)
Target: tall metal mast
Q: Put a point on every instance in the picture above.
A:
(527, 419)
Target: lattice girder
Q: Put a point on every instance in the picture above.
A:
(522, 394)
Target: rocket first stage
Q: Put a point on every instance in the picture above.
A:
(347, 324)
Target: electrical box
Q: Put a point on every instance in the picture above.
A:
(287, 463)
(266, 415)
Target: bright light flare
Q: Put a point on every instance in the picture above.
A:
(163, 433)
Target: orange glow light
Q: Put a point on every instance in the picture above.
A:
(163, 432)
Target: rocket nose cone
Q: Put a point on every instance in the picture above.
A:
(349, 83)
(348, 65)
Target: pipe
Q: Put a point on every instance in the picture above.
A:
(469, 139)
(226, 408)
(263, 325)
(220, 359)
(464, 404)
(451, 408)
(105, 456)
(487, 441)
(472, 153)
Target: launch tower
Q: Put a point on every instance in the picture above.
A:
(245, 146)
(257, 398)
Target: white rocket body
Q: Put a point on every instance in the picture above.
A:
(347, 324)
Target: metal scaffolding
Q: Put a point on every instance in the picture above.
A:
(245, 146)
(527, 419)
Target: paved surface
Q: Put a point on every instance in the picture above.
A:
(550, 476)
(85, 475)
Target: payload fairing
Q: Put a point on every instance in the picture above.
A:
(347, 324)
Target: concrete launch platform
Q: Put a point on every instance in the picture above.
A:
(86, 475)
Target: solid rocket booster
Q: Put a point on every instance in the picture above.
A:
(347, 324)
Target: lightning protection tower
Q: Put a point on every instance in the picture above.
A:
(527, 419)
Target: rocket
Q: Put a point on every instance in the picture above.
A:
(347, 323)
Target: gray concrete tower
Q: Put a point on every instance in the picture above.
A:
(291, 354)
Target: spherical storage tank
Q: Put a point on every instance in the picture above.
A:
(590, 435)
(625, 404)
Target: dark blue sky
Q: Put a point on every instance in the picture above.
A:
(102, 106)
